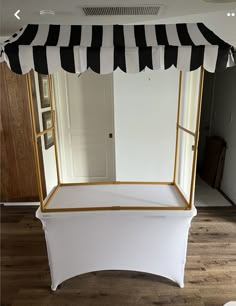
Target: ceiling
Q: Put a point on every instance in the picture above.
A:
(69, 12)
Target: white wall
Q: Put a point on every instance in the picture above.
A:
(145, 124)
(224, 125)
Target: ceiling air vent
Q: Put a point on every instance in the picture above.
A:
(120, 10)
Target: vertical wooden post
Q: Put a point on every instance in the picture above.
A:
(54, 130)
(196, 138)
(177, 128)
(35, 144)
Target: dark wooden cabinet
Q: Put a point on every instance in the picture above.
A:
(18, 176)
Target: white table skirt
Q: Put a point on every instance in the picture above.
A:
(145, 241)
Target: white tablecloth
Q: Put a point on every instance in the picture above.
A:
(146, 241)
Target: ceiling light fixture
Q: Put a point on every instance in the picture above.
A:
(46, 12)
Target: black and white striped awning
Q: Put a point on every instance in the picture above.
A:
(76, 48)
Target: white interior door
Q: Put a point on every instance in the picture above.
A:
(85, 126)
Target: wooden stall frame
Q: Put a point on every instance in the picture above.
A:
(194, 134)
(177, 123)
(196, 138)
(117, 183)
(185, 130)
(34, 140)
(44, 203)
(52, 106)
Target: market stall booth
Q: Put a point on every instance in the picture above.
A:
(127, 225)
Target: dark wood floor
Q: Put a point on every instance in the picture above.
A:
(210, 277)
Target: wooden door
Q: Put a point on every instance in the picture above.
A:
(17, 177)
(86, 126)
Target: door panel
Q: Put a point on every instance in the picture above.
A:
(85, 120)
(189, 99)
(18, 177)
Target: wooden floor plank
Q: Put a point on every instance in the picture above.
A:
(210, 277)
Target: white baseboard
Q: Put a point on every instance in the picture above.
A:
(21, 203)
